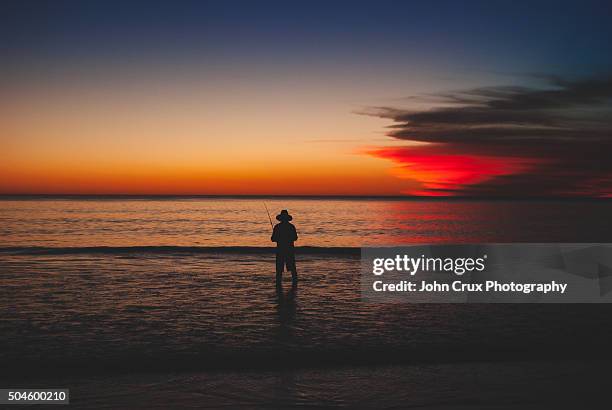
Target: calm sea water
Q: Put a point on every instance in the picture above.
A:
(139, 307)
(244, 222)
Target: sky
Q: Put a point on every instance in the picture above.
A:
(306, 98)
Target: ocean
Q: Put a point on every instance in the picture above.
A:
(226, 222)
(154, 302)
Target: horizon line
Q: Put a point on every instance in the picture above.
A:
(7, 196)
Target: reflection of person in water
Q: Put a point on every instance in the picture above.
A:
(284, 234)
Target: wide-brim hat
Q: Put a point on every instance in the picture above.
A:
(284, 216)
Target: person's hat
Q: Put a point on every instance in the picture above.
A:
(284, 216)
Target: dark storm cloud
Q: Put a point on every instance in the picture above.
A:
(565, 110)
(565, 127)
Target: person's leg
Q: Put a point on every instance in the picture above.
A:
(291, 267)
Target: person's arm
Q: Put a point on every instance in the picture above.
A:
(294, 234)
(274, 237)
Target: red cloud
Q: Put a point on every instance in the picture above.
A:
(443, 173)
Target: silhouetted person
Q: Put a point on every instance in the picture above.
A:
(284, 234)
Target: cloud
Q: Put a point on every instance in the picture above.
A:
(555, 140)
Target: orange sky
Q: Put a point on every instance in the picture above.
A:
(194, 136)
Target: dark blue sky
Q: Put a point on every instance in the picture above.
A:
(513, 36)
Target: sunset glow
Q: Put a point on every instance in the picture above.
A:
(444, 174)
(210, 102)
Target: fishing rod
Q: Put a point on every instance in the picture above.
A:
(269, 217)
